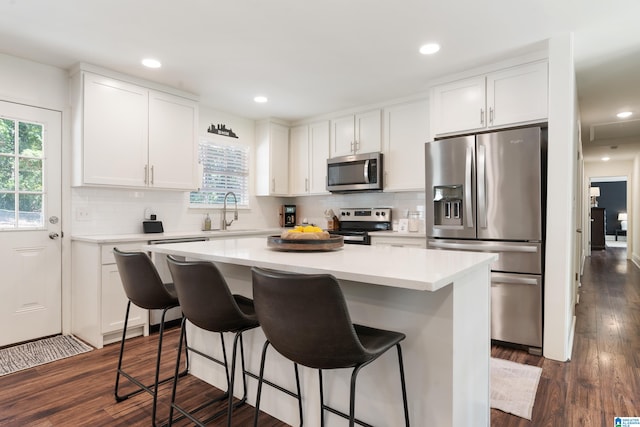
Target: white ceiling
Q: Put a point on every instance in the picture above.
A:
(314, 57)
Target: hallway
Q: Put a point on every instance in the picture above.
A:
(603, 378)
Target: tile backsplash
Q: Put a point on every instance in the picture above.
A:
(118, 211)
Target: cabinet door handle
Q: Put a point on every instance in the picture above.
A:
(482, 116)
(490, 115)
(306, 184)
(273, 185)
(146, 174)
(152, 174)
(352, 149)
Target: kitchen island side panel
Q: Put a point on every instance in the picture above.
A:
(446, 356)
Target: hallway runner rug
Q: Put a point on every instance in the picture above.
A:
(36, 353)
(514, 386)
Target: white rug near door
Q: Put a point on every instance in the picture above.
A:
(514, 386)
(35, 353)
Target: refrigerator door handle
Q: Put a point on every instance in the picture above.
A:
(483, 248)
(467, 190)
(482, 187)
(510, 278)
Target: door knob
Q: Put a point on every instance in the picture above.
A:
(53, 235)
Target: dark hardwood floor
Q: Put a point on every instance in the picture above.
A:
(601, 381)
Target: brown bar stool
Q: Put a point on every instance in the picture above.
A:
(305, 318)
(145, 289)
(207, 303)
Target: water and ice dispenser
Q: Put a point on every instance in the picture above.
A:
(448, 205)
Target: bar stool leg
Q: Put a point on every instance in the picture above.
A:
(295, 368)
(260, 379)
(321, 398)
(404, 386)
(124, 336)
(175, 380)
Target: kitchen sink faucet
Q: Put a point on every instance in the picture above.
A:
(224, 224)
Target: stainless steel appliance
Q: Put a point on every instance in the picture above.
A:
(287, 215)
(355, 224)
(356, 172)
(160, 261)
(487, 192)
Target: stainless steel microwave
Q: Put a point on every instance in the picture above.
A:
(356, 172)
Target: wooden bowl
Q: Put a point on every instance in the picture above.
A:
(311, 245)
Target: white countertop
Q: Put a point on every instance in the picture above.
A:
(408, 268)
(137, 237)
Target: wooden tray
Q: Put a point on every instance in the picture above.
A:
(291, 245)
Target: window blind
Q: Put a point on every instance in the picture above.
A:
(225, 168)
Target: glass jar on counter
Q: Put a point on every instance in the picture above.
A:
(414, 221)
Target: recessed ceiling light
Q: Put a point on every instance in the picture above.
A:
(151, 63)
(260, 99)
(624, 114)
(429, 48)
(606, 159)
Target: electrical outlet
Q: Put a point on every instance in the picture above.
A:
(83, 214)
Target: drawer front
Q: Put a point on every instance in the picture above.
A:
(516, 308)
(513, 256)
(107, 250)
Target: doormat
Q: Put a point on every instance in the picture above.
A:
(514, 386)
(36, 353)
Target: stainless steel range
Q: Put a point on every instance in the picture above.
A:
(355, 223)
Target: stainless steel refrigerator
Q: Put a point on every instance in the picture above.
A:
(487, 192)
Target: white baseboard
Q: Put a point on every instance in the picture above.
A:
(636, 260)
(572, 333)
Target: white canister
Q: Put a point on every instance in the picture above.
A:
(414, 221)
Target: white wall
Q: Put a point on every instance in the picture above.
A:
(561, 200)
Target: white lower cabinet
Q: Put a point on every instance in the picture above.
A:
(97, 297)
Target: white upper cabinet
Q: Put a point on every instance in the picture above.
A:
(513, 96)
(299, 160)
(272, 159)
(172, 135)
(406, 131)
(359, 133)
(518, 95)
(459, 106)
(126, 135)
(308, 150)
(318, 155)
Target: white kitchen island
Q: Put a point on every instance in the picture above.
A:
(439, 299)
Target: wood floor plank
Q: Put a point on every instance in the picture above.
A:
(601, 381)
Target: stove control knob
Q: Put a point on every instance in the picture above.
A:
(382, 213)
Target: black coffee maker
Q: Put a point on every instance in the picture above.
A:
(287, 216)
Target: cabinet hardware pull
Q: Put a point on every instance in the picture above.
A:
(482, 116)
(491, 115)
(152, 175)
(306, 184)
(273, 185)
(352, 149)
(146, 174)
